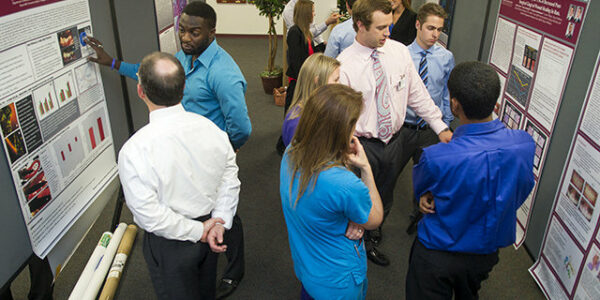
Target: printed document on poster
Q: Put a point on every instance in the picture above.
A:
(578, 197)
(53, 114)
(550, 81)
(589, 282)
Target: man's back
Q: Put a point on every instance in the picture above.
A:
(478, 181)
(182, 159)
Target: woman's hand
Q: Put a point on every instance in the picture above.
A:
(357, 156)
(354, 231)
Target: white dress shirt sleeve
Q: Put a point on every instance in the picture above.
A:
(140, 186)
(228, 192)
(288, 14)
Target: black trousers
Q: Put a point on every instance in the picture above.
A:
(289, 96)
(180, 269)
(419, 139)
(434, 274)
(234, 239)
(41, 278)
(387, 162)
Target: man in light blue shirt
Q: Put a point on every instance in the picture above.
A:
(342, 35)
(214, 88)
(434, 64)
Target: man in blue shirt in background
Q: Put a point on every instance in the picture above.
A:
(214, 88)
(434, 64)
(342, 35)
(469, 191)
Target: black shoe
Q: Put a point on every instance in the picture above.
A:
(377, 257)
(226, 288)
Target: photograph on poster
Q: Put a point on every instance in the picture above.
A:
(68, 40)
(518, 85)
(571, 13)
(36, 189)
(540, 138)
(590, 194)
(502, 45)
(529, 58)
(570, 30)
(577, 180)
(579, 14)
(86, 77)
(15, 146)
(511, 116)
(8, 119)
(573, 195)
(586, 209)
(589, 281)
(84, 32)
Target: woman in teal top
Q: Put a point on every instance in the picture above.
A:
(326, 206)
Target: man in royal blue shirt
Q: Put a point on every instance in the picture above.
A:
(434, 64)
(469, 191)
(214, 88)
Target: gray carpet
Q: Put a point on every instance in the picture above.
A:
(269, 270)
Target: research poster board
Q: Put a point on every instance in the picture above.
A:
(569, 263)
(532, 51)
(167, 21)
(54, 121)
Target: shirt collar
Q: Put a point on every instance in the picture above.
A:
(206, 57)
(163, 113)
(415, 47)
(478, 128)
(365, 52)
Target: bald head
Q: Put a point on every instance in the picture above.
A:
(162, 79)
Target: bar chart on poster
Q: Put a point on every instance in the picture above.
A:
(55, 126)
(532, 51)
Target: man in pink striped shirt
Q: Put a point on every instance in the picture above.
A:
(382, 69)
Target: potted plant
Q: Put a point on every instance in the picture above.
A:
(272, 9)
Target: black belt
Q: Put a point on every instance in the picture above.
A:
(202, 218)
(415, 127)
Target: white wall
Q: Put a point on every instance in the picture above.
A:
(244, 18)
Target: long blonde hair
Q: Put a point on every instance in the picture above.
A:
(303, 17)
(314, 74)
(322, 138)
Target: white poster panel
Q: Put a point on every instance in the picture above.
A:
(54, 119)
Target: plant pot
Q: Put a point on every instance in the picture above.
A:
(271, 82)
(279, 95)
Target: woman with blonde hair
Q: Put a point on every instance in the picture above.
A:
(300, 44)
(326, 206)
(317, 71)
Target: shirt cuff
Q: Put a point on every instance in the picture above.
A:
(129, 70)
(197, 231)
(227, 217)
(438, 126)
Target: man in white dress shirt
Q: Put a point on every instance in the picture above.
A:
(180, 181)
(382, 69)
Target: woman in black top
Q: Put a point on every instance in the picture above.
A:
(300, 44)
(403, 30)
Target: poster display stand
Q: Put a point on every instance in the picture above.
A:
(569, 262)
(532, 51)
(54, 119)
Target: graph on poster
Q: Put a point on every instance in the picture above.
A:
(69, 151)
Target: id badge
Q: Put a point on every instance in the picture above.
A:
(400, 82)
